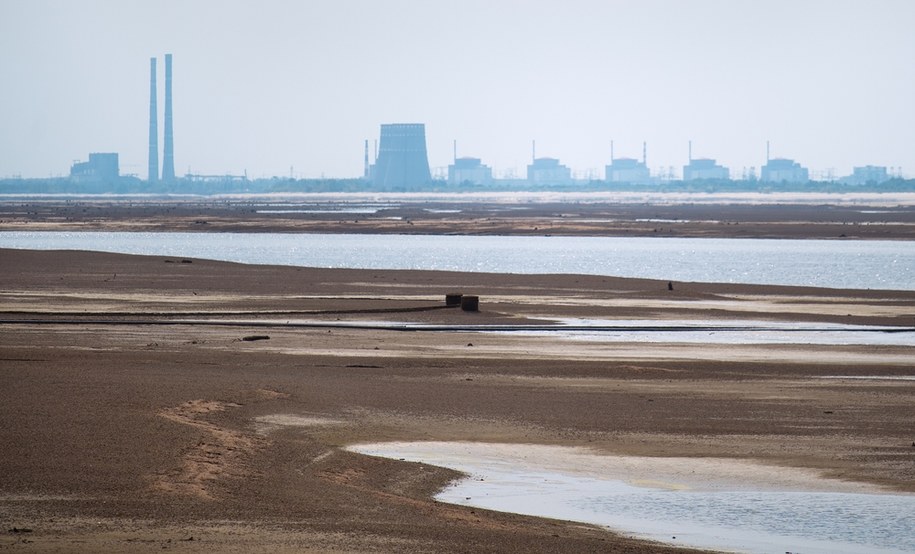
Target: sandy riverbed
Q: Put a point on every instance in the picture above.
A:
(122, 432)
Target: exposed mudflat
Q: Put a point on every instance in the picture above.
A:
(124, 432)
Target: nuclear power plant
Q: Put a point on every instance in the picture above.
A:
(401, 163)
(168, 156)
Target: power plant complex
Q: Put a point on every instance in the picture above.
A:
(401, 162)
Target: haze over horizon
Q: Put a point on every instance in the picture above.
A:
(274, 88)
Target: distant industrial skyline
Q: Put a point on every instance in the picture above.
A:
(294, 89)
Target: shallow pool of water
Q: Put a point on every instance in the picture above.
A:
(692, 331)
(704, 503)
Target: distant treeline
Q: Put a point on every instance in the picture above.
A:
(210, 186)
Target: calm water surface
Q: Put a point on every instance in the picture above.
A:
(735, 517)
(888, 265)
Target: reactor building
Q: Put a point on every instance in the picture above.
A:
(867, 175)
(628, 170)
(469, 171)
(704, 169)
(548, 171)
(784, 170)
(402, 162)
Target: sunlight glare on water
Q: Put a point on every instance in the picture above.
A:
(888, 265)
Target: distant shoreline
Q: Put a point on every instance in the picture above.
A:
(863, 216)
(854, 197)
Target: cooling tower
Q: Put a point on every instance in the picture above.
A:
(168, 155)
(153, 125)
(402, 162)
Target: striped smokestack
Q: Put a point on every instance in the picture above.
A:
(153, 125)
(168, 156)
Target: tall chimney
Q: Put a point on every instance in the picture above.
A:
(365, 171)
(168, 156)
(153, 125)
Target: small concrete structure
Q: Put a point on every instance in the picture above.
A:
(453, 299)
(470, 303)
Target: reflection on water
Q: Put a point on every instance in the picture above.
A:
(732, 516)
(835, 264)
(734, 332)
(761, 521)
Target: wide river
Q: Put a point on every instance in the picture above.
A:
(853, 264)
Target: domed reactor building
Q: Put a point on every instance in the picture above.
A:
(402, 163)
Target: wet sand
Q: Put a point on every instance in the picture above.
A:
(123, 432)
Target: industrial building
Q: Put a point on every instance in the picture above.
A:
(168, 157)
(628, 170)
(402, 161)
(783, 170)
(469, 171)
(705, 169)
(867, 175)
(548, 171)
(100, 167)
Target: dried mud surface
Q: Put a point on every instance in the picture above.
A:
(127, 430)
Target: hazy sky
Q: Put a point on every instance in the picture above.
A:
(269, 86)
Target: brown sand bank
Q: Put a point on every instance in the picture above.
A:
(689, 218)
(125, 429)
